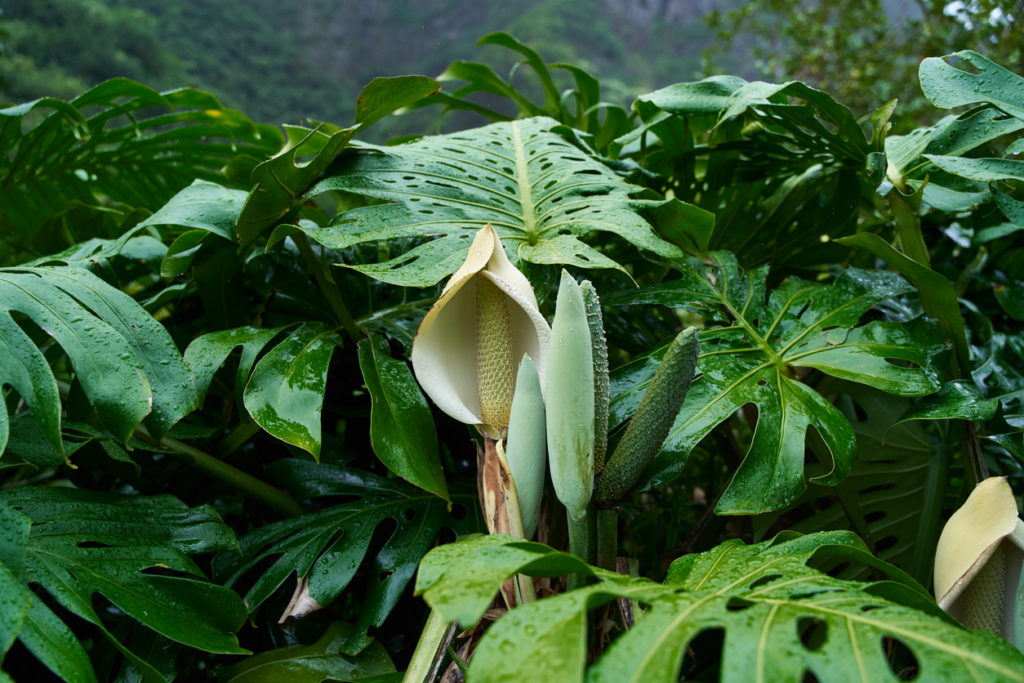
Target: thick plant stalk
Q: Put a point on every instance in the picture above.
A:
(653, 419)
(426, 659)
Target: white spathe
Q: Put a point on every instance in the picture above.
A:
(985, 529)
(444, 351)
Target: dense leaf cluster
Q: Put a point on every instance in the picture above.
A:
(208, 415)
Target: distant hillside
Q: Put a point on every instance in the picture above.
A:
(280, 62)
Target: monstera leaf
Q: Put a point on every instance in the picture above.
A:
(132, 550)
(124, 359)
(758, 355)
(120, 142)
(541, 193)
(325, 549)
(782, 165)
(782, 618)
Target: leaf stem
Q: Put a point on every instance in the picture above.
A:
(607, 538)
(256, 489)
(581, 544)
(429, 654)
(325, 281)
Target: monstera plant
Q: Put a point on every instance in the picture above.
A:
(680, 390)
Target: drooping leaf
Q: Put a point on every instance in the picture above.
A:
(948, 86)
(957, 400)
(782, 618)
(321, 661)
(207, 353)
(768, 341)
(124, 359)
(401, 427)
(329, 546)
(132, 550)
(540, 192)
(285, 393)
(382, 96)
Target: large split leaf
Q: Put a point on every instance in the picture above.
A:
(124, 359)
(781, 166)
(539, 191)
(325, 549)
(120, 142)
(757, 355)
(782, 617)
(949, 86)
(132, 550)
(893, 496)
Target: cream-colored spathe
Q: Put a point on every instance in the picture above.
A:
(984, 530)
(444, 352)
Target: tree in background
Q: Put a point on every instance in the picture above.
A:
(864, 51)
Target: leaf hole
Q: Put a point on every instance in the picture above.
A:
(703, 656)
(813, 632)
(764, 580)
(410, 514)
(901, 660)
(874, 516)
(885, 543)
(92, 544)
(809, 677)
(738, 604)
(384, 576)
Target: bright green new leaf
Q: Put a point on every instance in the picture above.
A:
(767, 343)
(541, 193)
(285, 393)
(781, 617)
(401, 427)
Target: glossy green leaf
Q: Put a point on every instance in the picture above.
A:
(937, 294)
(984, 170)
(323, 660)
(202, 206)
(401, 427)
(949, 86)
(382, 96)
(756, 358)
(893, 495)
(461, 579)
(281, 180)
(173, 391)
(540, 192)
(133, 550)
(329, 546)
(285, 393)
(207, 353)
(124, 359)
(781, 616)
(957, 400)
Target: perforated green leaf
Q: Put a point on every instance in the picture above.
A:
(782, 618)
(133, 550)
(766, 342)
(540, 192)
